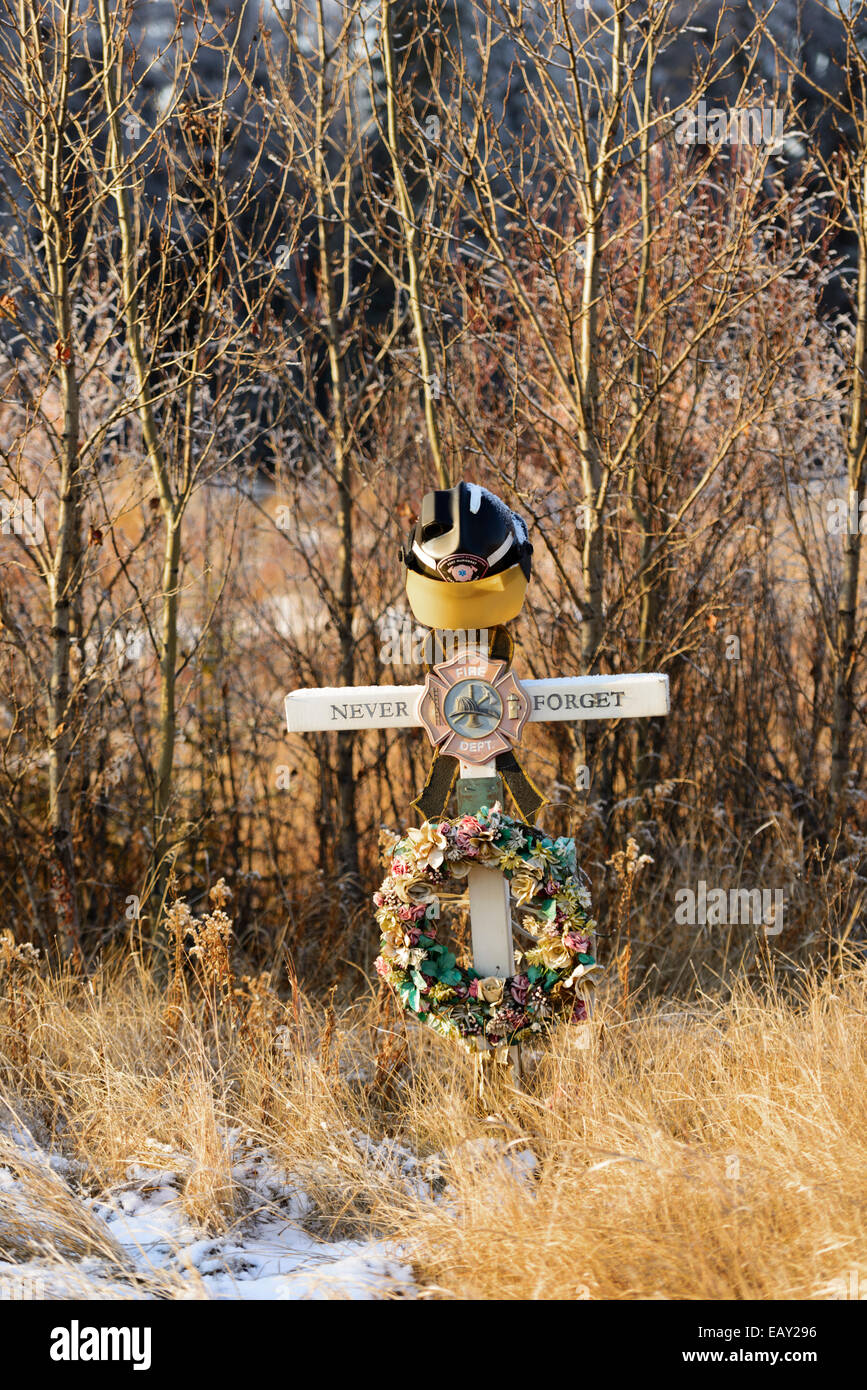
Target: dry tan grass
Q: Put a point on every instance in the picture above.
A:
(712, 1148)
(717, 1154)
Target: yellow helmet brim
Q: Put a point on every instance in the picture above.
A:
(477, 603)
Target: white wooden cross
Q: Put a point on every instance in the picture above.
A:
(400, 707)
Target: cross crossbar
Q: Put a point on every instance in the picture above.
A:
(553, 698)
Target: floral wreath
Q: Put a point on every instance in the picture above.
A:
(550, 979)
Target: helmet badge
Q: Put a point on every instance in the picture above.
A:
(460, 569)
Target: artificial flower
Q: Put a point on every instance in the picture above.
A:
(409, 957)
(509, 860)
(491, 989)
(519, 988)
(414, 890)
(576, 942)
(525, 884)
(555, 956)
(468, 847)
(429, 845)
(582, 974)
(411, 912)
(532, 925)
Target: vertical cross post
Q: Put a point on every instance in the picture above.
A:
(490, 923)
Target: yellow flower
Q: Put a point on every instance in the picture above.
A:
(555, 955)
(524, 885)
(491, 989)
(551, 953)
(509, 860)
(412, 890)
(536, 863)
(428, 845)
(389, 921)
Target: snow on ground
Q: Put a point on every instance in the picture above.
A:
(268, 1255)
(148, 1245)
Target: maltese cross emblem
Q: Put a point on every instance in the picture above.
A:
(473, 708)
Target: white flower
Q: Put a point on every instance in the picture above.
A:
(428, 845)
(580, 973)
(408, 957)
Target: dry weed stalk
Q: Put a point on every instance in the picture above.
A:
(390, 1042)
(210, 937)
(627, 864)
(19, 961)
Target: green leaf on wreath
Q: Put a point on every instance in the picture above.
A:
(586, 960)
(411, 996)
(451, 977)
(533, 973)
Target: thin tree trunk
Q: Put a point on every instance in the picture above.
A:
(168, 667)
(172, 507)
(64, 577)
(410, 239)
(846, 634)
(48, 135)
(593, 549)
(348, 867)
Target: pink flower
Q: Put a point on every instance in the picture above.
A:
(380, 966)
(576, 942)
(579, 1011)
(474, 990)
(411, 913)
(466, 846)
(520, 988)
(378, 900)
(411, 936)
(399, 867)
(468, 825)
(551, 888)
(444, 828)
